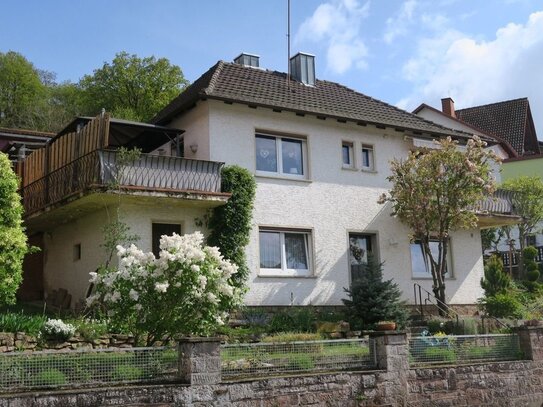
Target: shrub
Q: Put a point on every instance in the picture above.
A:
(230, 224)
(292, 337)
(187, 290)
(372, 299)
(531, 269)
(50, 377)
(58, 329)
(495, 280)
(13, 245)
(126, 373)
(439, 354)
(90, 329)
(297, 319)
(503, 306)
(284, 343)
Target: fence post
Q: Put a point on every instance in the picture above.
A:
(392, 355)
(531, 342)
(199, 360)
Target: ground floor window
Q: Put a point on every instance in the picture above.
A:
(160, 229)
(420, 261)
(360, 247)
(285, 252)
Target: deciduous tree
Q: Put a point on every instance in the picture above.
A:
(434, 192)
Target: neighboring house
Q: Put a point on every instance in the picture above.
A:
(18, 143)
(320, 154)
(511, 123)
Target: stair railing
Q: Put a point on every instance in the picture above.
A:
(423, 295)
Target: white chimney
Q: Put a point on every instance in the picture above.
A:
(247, 59)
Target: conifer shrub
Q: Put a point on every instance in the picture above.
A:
(495, 280)
(372, 300)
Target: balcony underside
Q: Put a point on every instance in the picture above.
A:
(494, 220)
(95, 199)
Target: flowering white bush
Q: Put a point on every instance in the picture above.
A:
(58, 328)
(186, 290)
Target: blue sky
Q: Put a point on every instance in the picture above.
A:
(402, 52)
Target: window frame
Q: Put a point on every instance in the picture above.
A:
(371, 148)
(350, 146)
(279, 154)
(159, 222)
(284, 271)
(373, 237)
(427, 275)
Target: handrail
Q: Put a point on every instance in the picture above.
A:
(446, 308)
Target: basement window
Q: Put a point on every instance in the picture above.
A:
(77, 252)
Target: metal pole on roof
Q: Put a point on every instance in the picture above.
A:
(288, 44)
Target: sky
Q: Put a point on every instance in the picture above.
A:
(404, 52)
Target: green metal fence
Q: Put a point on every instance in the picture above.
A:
(46, 369)
(264, 359)
(463, 349)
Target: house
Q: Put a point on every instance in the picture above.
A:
(18, 143)
(319, 152)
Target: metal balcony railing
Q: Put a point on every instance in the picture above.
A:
(103, 168)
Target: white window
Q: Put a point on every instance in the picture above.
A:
(281, 155)
(347, 154)
(420, 261)
(368, 162)
(285, 253)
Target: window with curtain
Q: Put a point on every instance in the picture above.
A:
(284, 252)
(281, 155)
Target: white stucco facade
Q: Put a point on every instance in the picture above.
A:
(330, 203)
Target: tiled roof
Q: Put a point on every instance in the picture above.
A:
(24, 132)
(258, 87)
(504, 119)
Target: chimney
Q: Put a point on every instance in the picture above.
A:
(247, 59)
(302, 68)
(447, 106)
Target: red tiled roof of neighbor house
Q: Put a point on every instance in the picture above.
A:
(511, 120)
(235, 83)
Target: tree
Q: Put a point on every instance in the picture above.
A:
(13, 245)
(372, 299)
(20, 90)
(495, 281)
(131, 87)
(433, 193)
(528, 203)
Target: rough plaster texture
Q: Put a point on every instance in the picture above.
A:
(331, 203)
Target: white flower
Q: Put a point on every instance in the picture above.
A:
(138, 307)
(195, 268)
(58, 327)
(202, 282)
(212, 298)
(161, 287)
(134, 294)
(93, 277)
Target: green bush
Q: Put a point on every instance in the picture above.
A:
(230, 224)
(495, 280)
(531, 268)
(439, 354)
(284, 343)
(372, 300)
(296, 319)
(19, 322)
(90, 329)
(503, 306)
(50, 377)
(126, 373)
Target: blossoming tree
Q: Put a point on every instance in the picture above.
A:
(433, 193)
(186, 290)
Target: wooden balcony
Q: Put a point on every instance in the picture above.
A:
(102, 170)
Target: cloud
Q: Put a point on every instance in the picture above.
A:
(475, 72)
(337, 24)
(397, 26)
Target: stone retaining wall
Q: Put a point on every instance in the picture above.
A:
(518, 383)
(19, 341)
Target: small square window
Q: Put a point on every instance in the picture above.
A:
(368, 162)
(161, 229)
(347, 154)
(77, 252)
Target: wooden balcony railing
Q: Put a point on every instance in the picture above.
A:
(103, 169)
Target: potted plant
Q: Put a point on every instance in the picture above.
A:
(385, 326)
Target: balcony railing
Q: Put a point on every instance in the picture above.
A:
(104, 168)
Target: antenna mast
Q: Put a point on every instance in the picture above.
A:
(288, 44)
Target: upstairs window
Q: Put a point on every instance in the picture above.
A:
(347, 154)
(368, 162)
(281, 155)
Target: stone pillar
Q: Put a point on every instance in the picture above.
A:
(392, 355)
(199, 360)
(531, 342)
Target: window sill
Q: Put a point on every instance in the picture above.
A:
(284, 274)
(282, 177)
(349, 168)
(369, 171)
(429, 278)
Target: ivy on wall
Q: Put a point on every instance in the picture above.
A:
(230, 224)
